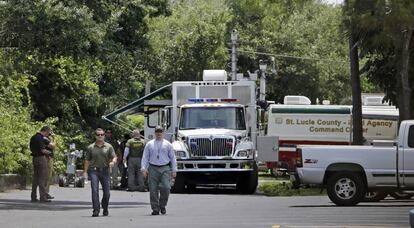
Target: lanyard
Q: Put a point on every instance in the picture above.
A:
(159, 148)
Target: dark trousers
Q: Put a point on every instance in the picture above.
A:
(96, 176)
(123, 171)
(39, 177)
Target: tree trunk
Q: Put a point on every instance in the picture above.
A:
(403, 82)
(357, 138)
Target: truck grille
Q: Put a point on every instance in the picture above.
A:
(211, 146)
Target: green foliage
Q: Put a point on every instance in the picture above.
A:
(381, 27)
(137, 121)
(305, 29)
(285, 189)
(189, 41)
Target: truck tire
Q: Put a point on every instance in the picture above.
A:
(401, 195)
(375, 196)
(247, 184)
(179, 184)
(345, 189)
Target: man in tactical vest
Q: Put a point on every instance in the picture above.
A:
(134, 150)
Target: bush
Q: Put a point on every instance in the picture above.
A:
(285, 189)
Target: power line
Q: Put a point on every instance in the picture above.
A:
(289, 56)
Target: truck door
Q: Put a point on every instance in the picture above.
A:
(408, 156)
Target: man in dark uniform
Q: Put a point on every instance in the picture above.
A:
(123, 165)
(134, 150)
(39, 151)
(99, 157)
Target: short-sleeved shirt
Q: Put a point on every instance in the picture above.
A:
(136, 147)
(37, 144)
(99, 156)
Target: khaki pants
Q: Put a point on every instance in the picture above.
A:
(39, 177)
(159, 186)
(49, 173)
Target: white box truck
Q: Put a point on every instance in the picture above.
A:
(297, 122)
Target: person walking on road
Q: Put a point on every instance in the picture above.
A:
(39, 150)
(122, 164)
(134, 150)
(160, 164)
(99, 157)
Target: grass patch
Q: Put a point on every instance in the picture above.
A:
(284, 188)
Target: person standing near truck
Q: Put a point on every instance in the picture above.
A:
(134, 150)
(109, 138)
(160, 164)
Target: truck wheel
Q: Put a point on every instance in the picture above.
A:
(248, 183)
(345, 189)
(179, 184)
(375, 196)
(401, 195)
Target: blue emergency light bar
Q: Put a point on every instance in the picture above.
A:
(207, 100)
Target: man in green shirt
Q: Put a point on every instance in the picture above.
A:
(134, 149)
(99, 157)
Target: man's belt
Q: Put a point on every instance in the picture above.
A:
(168, 164)
(99, 169)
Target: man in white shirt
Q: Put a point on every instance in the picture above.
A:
(160, 164)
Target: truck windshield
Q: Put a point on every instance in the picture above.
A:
(212, 117)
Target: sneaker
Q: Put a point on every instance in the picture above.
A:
(105, 213)
(49, 197)
(95, 214)
(163, 211)
(155, 213)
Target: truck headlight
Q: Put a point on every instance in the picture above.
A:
(242, 153)
(180, 154)
(245, 153)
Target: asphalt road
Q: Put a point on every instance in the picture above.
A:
(204, 208)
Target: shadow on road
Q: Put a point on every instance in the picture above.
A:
(215, 190)
(56, 205)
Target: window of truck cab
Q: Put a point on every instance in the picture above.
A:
(153, 115)
(212, 117)
(411, 137)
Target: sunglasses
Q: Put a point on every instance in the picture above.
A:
(100, 134)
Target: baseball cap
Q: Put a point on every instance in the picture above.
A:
(159, 129)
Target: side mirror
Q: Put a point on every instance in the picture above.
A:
(260, 118)
(164, 118)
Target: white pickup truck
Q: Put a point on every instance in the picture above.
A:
(349, 172)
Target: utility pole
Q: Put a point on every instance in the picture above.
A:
(233, 55)
(262, 67)
(147, 87)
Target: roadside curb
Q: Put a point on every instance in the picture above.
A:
(12, 181)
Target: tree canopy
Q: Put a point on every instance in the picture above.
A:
(67, 63)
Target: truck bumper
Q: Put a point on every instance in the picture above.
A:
(233, 165)
(215, 171)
